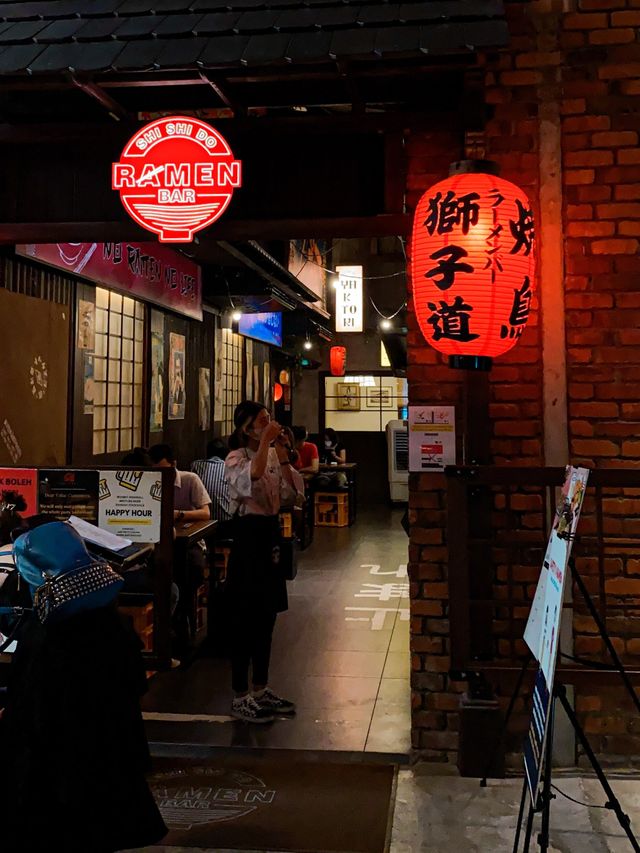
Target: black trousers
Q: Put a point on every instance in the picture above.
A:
(251, 646)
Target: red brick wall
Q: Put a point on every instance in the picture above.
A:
(588, 59)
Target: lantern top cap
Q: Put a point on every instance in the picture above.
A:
(469, 167)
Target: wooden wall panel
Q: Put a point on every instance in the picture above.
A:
(33, 379)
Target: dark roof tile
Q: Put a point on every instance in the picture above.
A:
(95, 8)
(335, 16)
(179, 53)
(221, 5)
(296, 19)
(257, 21)
(450, 9)
(61, 30)
(177, 25)
(90, 56)
(24, 31)
(263, 50)
(94, 35)
(216, 22)
(134, 7)
(378, 13)
(99, 28)
(309, 47)
(140, 27)
(17, 57)
(160, 6)
(360, 42)
(20, 11)
(225, 50)
(397, 40)
(44, 9)
(138, 56)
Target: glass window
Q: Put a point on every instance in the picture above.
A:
(232, 348)
(118, 373)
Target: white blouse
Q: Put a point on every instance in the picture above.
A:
(263, 496)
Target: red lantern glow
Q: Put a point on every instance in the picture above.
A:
(277, 392)
(473, 266)
(338, 360)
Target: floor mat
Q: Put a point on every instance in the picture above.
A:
(282, 803)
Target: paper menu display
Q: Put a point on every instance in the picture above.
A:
(97, 536)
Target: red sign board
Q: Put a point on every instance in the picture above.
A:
(145, 270)
(16, 483)
(176, 176)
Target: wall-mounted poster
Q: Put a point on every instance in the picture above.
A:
(131, 504)
(157, 371)
(20, 483)
(204, 398)
(86, 324)
(249, 372)
(379, 398)
(432, 437)
(177, 392)
(88, 384)
(63, 492)
(218, 377)
(348, 397)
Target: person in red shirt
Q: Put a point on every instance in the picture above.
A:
(308, 461)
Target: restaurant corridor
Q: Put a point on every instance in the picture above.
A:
(341, 652)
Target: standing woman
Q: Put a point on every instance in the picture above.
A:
(260, 477)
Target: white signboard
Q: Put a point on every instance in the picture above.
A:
(349, 311)
(432, 438)
(130, 504)
(543, 625)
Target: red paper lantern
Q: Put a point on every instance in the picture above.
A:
(277, 392)
(338, 360)
(473, 264)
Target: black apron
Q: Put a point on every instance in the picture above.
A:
(255, 577)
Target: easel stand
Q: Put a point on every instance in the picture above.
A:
(560, 695)
(544, 801)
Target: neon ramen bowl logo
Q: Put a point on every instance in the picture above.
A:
(176, 176)
(203, 795)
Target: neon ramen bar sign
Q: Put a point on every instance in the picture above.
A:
(176, 176)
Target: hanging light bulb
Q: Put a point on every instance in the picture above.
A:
(307, 344)
(335, 283)
(385, 324)
(236, 316)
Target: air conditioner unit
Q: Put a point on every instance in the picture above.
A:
(398, 455)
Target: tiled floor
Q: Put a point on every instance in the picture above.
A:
(438, 812)
(341, 652)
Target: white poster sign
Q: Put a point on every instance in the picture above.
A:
(130, 504)
(349, 311)
(432, 438)
(543, 625)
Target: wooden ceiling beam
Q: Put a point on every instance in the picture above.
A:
(106, 101)
(55, 132)
(384, 225)
(219, 87)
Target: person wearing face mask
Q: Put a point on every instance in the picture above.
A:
(333, 451)
(260, 478)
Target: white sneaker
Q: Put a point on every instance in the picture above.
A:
(247, 709)
(270, 701)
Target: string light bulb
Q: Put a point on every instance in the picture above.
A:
(385, 324)
(236, 316)
(307, 344)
